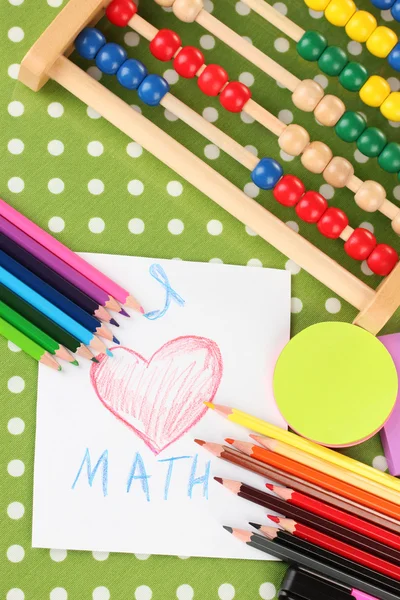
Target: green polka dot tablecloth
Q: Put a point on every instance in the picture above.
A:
(75, 175)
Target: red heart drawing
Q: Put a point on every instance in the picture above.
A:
(160, 398)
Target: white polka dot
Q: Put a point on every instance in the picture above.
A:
(170, 116)
(254, 262)
(96, 225)
(292, 267)
(132, 39)
(359, 157)
(213, 261)
(136, 108)
(286, 116)
(249, 231)
(55, 147)
(134, 149)
(15, 108)
(246, 118)
(267, 591)
(146, 556)
(13, 71)
(15, 594)
(242, 9)
(185, 592)
(396, 192)
(175, 226)
(211, 151)
(354, 48)
(226, 591)
(15, 510)
(208, 6)
(58, 555)
(94, 73)
(281, 45)
(56, 185)
(365, 268)
(13, 347)
(58, 593)
(214, 227)
(246, 78)
(16, 34)
(16, 384)
(394, 123)
(321, 80)
(387, 15)
(207, 42)
(280, 7)
(252, 149)
(135, 187)
(247, 39)
(15, 553)
(55, 110)
(293, 225)
(296, 305)
(316, 14)
(16, 426)
(92, 114)
(136, 226)
(143, 592)
(333, 306)
(367, 225)
(16, 468)
(96, 187)
(394, 83)
(171, 76)
(380, 462)
(210, 114)
(327, 191)
(15, 146)
(15, 185)
(15, 2)
(174, 188)
(167, 9)
(100, 556)
(285, 156)
(95, 148)
(56, 224)
(101, 593)
(251, 190)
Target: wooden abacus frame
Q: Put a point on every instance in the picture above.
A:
(47, 59)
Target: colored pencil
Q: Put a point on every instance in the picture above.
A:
(53, 312)
(311, 475)
(292, 555)
(27, 345)
(269, 430)
(306, 518)
(55, 272)
(337, 516)
(52, 295)
(239, 459)
(35, 334)
(336, 546)
(37, 318)
(68, 256)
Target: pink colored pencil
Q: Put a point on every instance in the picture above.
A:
(68, 256)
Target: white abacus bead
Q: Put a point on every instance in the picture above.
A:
(187, 10)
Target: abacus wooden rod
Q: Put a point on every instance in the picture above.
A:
(211, 183)
(276, 19)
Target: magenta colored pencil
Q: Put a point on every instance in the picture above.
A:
(68, 257)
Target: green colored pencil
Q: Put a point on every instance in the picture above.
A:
(27, 345)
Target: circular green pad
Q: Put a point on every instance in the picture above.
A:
(335, 384)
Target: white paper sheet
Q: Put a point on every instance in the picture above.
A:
(134, 413)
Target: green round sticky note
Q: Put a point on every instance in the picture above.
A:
(335, 384)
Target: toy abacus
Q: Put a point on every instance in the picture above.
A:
(48, 59)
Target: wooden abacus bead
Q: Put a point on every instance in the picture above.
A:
(360, 244)
(370, 196)
(165, 44)
(187, 10)
(267, 173)
(89, 42)
(338, 172)
(234, 96)
(316, 157)
(294, 139)
(382, 260)
(311, 207)
(332, 223)
(329, 110)
(212, 80)
(339, 12)
(396, 223)
(289, 190)
(307, 95)
(188, 61)
(120, 12)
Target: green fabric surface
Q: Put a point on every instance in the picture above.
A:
(112, 197)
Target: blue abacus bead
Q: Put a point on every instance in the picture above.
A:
(89, 42)
(383, 4)
(131, 73)
(394, 57)
(267, 173)
(110, 58)
(396, 10)
(153, 89)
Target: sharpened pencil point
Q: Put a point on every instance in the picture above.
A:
(219, 479)
(209, 405)
(94, 359)
(269, 486)
(200, 442)
(255, 525)
(229, 440)
(59, 368)
(228, 528)
(273, 518)
(114, 322)
(109, 353)
(141, 309)
(75, 362)
(124, 313)
(116, 340)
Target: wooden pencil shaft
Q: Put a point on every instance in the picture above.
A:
(28, 329)
(20, 339)
(305, 586)
(276, 18)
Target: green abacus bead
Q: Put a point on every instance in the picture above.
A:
(333, 60)
(389, 158)
(371, 142)
(350, 126)
(353, 76)
(311, 45)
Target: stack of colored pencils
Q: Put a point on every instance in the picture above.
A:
(52, 302)
(340, 519)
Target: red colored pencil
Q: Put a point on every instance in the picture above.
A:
(340, 517)
(337, 547)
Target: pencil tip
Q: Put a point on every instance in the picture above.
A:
(94, 359)
(273, 518)
(116, 340)
(109, 353)
(269, 486)
(219, 479)
(200, 442)
(114, 322)
(75, 362)
(228, 528)
(209, 405)
(255, 525)
(141, 309)
(59, 368)
(124, 313)
(229, 440)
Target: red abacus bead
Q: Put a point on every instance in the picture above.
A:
(234, 96)
(212, 80)
(382, 259)
(188, 61)
(311, 207)
(120, 12)
(332, 222)
(164, 44)
(289, 190)
(360, 244)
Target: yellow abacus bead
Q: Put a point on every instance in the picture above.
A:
(374, 91)
(317, 4)
(390, 108)
(361, 25)
(382, 41)
(339, 12)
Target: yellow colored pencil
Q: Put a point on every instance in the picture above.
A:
(296, 441)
